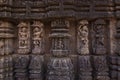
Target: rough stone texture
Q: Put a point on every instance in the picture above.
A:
(39, 39)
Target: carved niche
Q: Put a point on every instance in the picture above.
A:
(23, 38)
(60, 37)
(98, 37)
(82, 37)
(37, 38)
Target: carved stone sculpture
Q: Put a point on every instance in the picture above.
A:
(60, 66)
(23, 38)
(38, 37)
(82, 37)
(98, 40)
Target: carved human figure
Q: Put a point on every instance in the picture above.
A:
(37, 37)
(99, 37)
(82, 37)
(23, 35)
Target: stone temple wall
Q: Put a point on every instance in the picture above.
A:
(59, 39)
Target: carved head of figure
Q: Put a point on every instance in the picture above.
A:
(83, 28)
(99, 26)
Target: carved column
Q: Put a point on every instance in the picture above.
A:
(85, 68)
(118, 50)
(60, 65)
(21, 59)
(99, 50)
(6, 50)
(36, 62)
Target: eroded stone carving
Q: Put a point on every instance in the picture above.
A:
(60, 37)
(23, 37)
(36, 67)
(21, 63)
(101, 68)
(38, 45)
(98, 40)
(82, 37)
(85, 68)
(60, 68)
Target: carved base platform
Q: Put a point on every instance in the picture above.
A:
(85, 68)
(36, 67)
(60, 69)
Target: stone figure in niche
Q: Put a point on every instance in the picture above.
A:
(23, 35)
(99, 37)
(37, 37)
(83, 47)
(60, 45)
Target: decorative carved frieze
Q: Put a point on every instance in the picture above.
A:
(23, 38)
(38, 40)
(98, 37)
(82, 37)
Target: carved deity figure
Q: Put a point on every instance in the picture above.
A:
(83, 47)
(37, 37)
(99, 37)
(59, 44)
(23, 36)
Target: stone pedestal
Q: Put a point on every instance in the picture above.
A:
(101, 68)
(36, 67)
(21, 63)
(60, 68)
(85, 68)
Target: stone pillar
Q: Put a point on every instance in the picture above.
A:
(60, 66)
(85, 68)
(99, 51)
(21, 59)
(112, 55)
(36, 58)
(6, 50)
(118, 50)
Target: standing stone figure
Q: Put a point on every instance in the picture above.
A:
(82, 38)
(37, 37)
(99, 37)
(24, 35)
